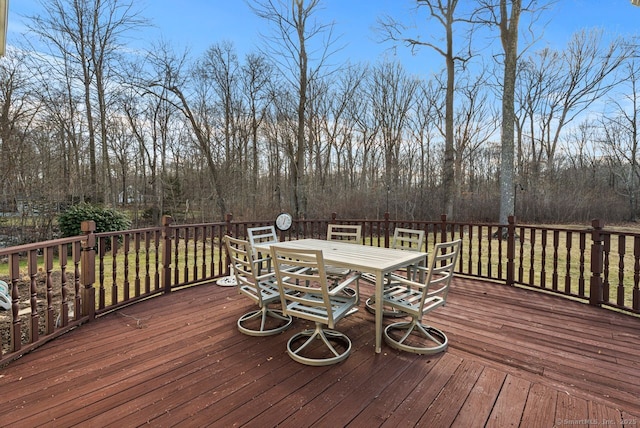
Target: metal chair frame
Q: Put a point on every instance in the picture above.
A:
(262, 289)
(403, 239)
(417, 299)
(305, 294)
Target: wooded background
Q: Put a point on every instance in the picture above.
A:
(83, 118)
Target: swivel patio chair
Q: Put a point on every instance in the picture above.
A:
(262, 235)
(262, 289)
(403, 239)
(417, 299)
(342, 233)
(305, 294)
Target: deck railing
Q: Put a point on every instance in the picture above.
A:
(58, 285)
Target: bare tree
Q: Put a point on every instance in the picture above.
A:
(505, 15)
(444, 13)
(294, 28)
(18, 108)
(621, 140)
(392, 95)
(475, 125)
(256, 73)
(88, 33)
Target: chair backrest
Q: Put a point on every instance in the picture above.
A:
(344, 232)
(407, 239)
(302, 281)
(244, 267)
(262, 235)
(441, 268)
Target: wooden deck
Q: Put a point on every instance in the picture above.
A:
(516, 358)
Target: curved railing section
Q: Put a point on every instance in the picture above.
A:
(57, 285)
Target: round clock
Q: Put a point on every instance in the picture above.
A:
(284, 221)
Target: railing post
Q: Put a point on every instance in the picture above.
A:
(443, 228)
(387, 234)
(511, 249)
(88, 269)
(167, 236)
(595, 284)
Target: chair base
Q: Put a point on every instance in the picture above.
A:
(325, 335)
(436, 340)
(370, 304)
(264, 314)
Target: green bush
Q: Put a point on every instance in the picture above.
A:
(107, 219)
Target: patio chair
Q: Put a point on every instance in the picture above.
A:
(403, 239)
(343, 233)
(262, 289)
(305, 294)
(417, 299)
(262, 235)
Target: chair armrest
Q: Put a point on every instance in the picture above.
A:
(344, 284)
(407, 282)
(266, 276)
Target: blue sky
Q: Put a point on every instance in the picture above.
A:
(197, 24)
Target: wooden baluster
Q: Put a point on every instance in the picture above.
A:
(126, 247)
(635, 304)
(16, 324)
(33, 279)
(64, 304)
(48, 266)
(136, 246)
(554, 274)
(581, 277)
(567, 276)
(621, 289)
(543, 260)
(102, 294)
(114, 270)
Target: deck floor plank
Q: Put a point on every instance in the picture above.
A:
(516, 358)
(477, 408)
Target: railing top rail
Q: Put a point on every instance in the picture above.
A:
(131, 231)
(38, 245)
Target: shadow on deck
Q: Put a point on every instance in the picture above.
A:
(516, 358)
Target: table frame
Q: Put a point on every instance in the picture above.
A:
(363, 258)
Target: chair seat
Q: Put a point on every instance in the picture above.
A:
(410, 300)
(269, 291)
(370, 303)
(340, 306)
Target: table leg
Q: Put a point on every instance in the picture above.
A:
(379, 310)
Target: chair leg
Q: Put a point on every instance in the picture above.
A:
(264, 314)
(436, 338)
(326, 336)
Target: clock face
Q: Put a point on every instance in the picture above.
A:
(284, 221)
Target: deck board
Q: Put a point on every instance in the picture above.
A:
(516, 358)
